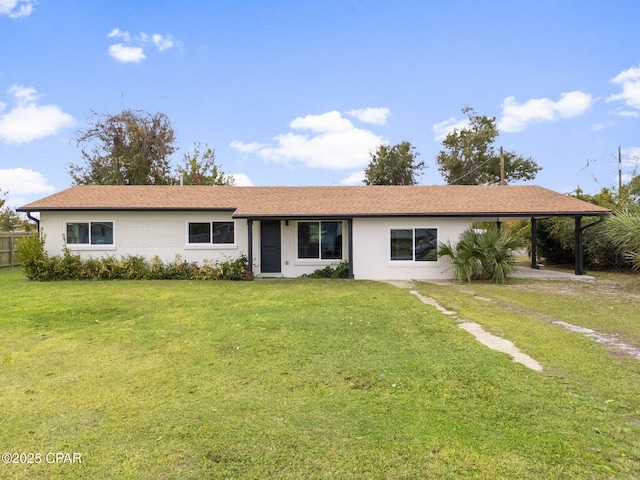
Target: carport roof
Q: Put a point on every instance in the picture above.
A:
(324, 202)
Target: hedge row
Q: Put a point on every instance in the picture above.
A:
(40, 266)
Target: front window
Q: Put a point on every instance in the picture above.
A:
(211, 233)
(90, 233)
(223, 232)
(199, 233)
(402, 244)
(414, 244)
(320, 240)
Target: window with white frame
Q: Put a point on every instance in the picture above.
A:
(320, 240)
(211, 233)
(89, 233)
(414, 244)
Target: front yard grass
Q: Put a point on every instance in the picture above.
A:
(301, 379)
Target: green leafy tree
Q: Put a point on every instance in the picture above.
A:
(393, 165)
(469, 156)
(128, 148)
(10, 220)
(199, 168)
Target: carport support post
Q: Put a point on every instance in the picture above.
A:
(578, 247)
(534, 243)
(350, 232)
(250, 246)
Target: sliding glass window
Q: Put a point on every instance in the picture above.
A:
(414, 244)
(320, 240)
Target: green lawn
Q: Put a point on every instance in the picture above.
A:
(305, 379)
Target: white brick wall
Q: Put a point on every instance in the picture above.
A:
(145, 233)
(165, 234)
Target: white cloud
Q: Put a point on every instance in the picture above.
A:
(628, 113)
(246, 147)
(125, 54)
(117, 33)
(28, 121)
(442, 129)
(630, 81)
(23, 95)
(242, 180)
(326, 122)
(16, 8)
(353, 179)
(131, 49)
(333, 143)
(18, 182)
(375, 116)
(163, 43)
(517, 116)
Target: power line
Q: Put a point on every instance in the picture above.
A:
(470, 171)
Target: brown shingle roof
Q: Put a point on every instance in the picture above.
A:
(445, 200)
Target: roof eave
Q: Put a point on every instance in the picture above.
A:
(123, 209)
(338, 216)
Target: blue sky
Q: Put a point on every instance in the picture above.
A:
(299, 92)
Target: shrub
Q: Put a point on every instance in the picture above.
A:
(235, 269)
(482, 255)
(33, 257)
(179, 269)
(339, 271)
(133, 267)
(67, 267)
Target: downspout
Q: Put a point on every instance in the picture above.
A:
(34, 219)
(579, 237)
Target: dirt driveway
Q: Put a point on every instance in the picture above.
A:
(604, 288)
(624, 288)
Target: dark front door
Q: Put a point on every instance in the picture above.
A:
(270, 246)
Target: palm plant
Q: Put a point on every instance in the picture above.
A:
(465, 256)
(498, 246)
(487, 254)
(624, 230)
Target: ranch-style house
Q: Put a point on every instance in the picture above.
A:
(384, 232)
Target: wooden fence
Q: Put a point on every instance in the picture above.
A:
(8, 246)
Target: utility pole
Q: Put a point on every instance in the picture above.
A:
(619, 169)
(502, 182)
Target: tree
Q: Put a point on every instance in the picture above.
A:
(470, 158)
(129, 148)
(10, 220)
(202, 170)
(393, 165)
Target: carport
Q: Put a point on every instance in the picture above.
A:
(578, 232)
